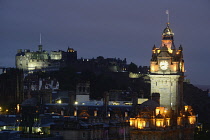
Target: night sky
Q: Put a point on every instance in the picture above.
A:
(109, 28)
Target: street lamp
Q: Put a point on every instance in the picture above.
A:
(75, 113)
(59, 101)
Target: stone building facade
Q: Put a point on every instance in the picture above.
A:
(42, 60)
(167, 72)
(164, 116)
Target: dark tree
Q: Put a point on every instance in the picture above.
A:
(67, 78)
(132, 67)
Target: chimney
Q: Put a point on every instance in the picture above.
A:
(156, 97)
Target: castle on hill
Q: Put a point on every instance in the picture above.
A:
(41, 60)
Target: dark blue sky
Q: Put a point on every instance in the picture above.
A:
(110, 28)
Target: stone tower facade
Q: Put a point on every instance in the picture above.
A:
(167, 72)
(83, 92)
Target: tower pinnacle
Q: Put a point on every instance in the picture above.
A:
(40, 39)
(167, 12)
(40, 42)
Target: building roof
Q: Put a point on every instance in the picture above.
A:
(30, 102)
(150, 105)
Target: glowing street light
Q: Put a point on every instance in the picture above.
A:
(76, 103)
(75, 113)
(59, 101)
(18, 108)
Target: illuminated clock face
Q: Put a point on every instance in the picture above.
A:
(163, 65)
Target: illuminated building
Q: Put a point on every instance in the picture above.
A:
(42, 60)
(167, 72)
(165, 116)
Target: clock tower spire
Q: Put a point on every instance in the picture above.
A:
(167, 72)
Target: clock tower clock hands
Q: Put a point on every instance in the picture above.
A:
(164, 65)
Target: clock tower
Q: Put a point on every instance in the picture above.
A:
(167, 72)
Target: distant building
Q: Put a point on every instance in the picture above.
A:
(101, 65)
(11, 86)
(42, 60)
(31, 61)
(83, 92)
(44, 89)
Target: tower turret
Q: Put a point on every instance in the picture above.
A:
(168, 38)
